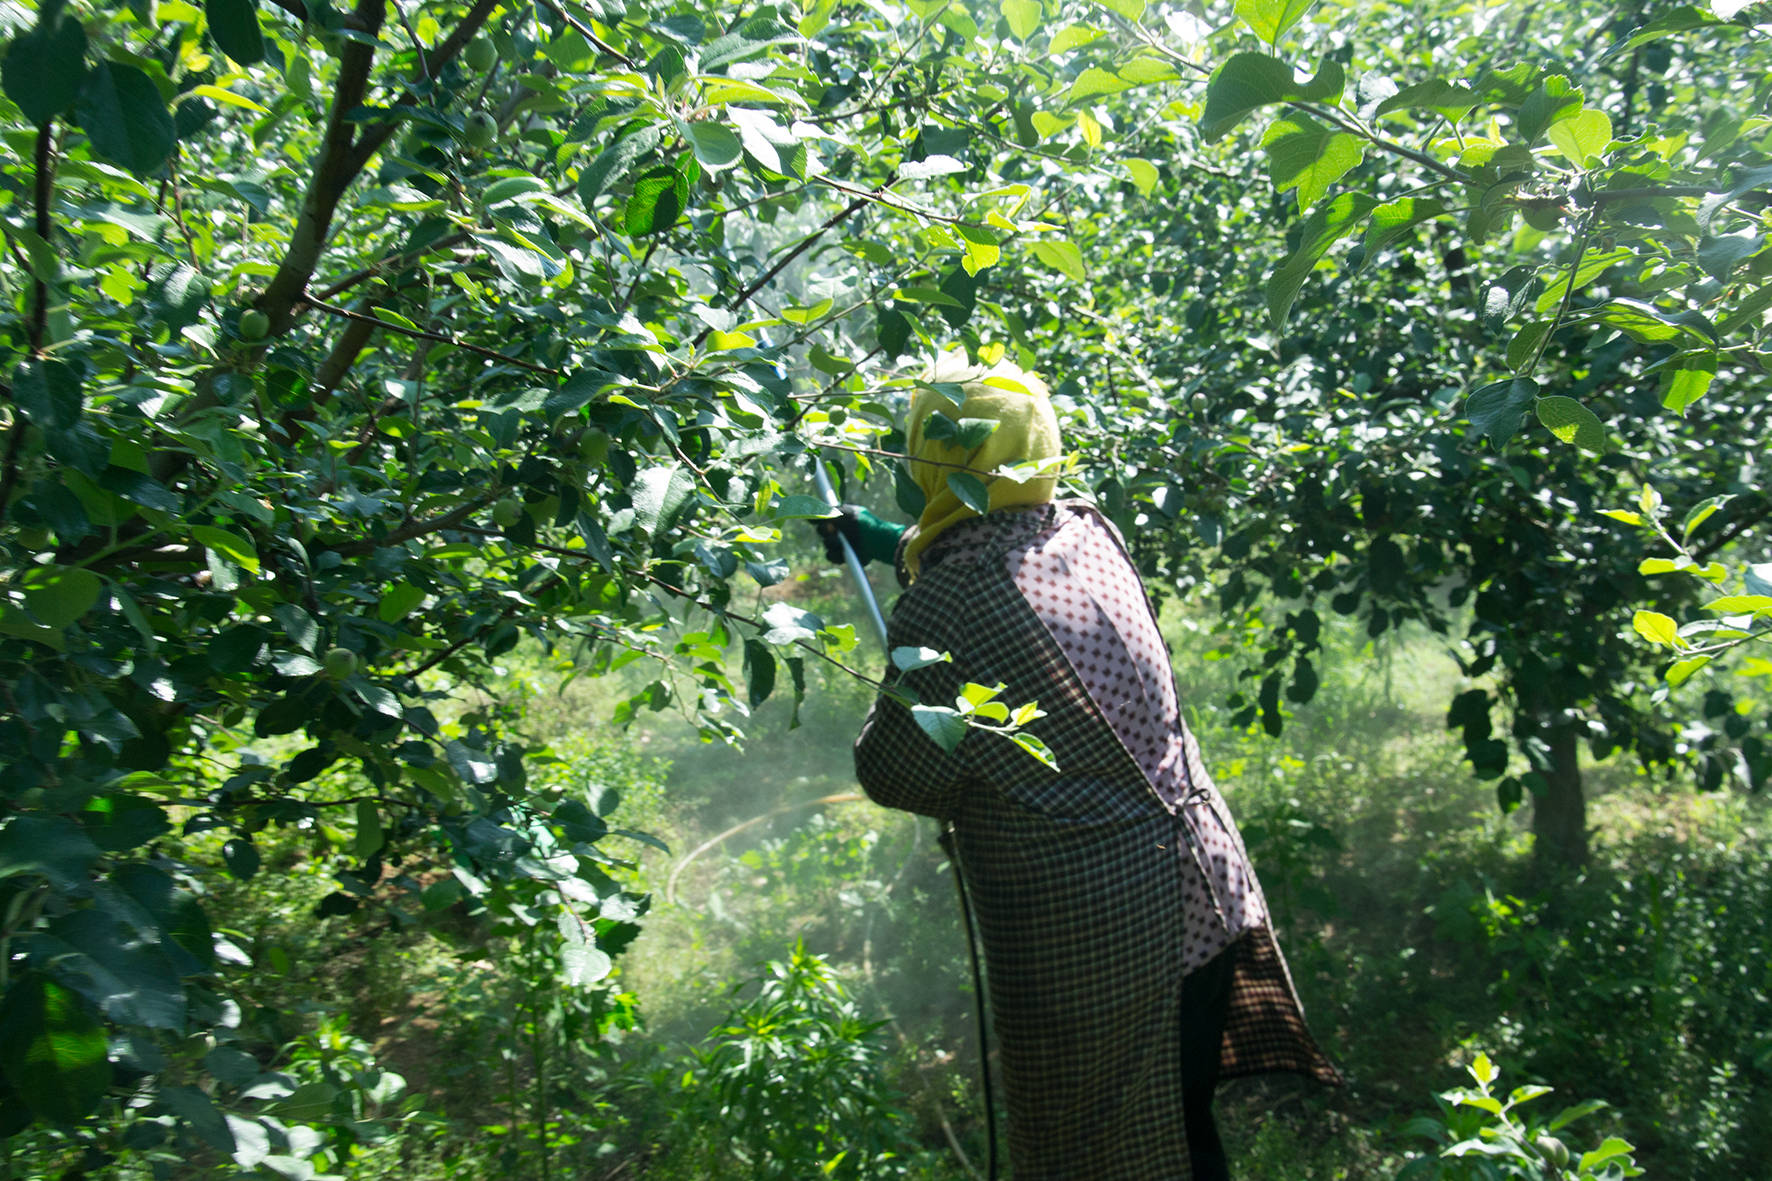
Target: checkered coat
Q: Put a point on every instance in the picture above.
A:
(1075, 877)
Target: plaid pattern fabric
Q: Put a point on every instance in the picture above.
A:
(1075, 877)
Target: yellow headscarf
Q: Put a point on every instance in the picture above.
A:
(1027, 431)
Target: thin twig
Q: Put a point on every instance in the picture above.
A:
(391, 262)
(775, 269)
(584, 31)
(417, 45)
(421, 334)
(42, 185)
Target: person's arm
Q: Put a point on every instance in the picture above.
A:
(897, 763)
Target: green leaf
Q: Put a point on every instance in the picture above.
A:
(1034, 746)
(1647, 324)
(1593, 263)
(1720, 256)
(714, 144)
(240, 855)
(1271, 19)
(759, 672)
(124, 117)
(1094, 82)
(907, 493)
(1308, 156)
(1062, 255)
(1132, 10)
(1393, 219)
(1143, 173)
(1576, 1111)
(237, 549)
(907, 658)
(1454, 100)
(51, 847)
(130, 980)
(1555, 99)
(659, 198)
(660, 495)
(982, 249)
(1701, 512)
(1326, 225)
(1689, 380)
(49, 392)
(970, 490)
(1656, 627)
(1524, 345)
(582, 962)
(1249, 81)
(60, 595)
(614, 162)
(1582, 136)
(234, 25)
(509, 189)
(943, 725)
(370, 837)
(788, 624)
(1572, 422)
(399, 601)
(53, 1051)
(1680, 671)
(1611, 1149)
(1497, 408)
(43, 68)
(1736, 604)
(178, 294)
(1023, 17)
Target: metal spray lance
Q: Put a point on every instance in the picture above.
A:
(850, 558)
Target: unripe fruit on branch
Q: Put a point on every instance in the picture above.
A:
(339, 663)
(1554, 1150)
(507, 512)
(480, 130)
(479, 55)
(593, 446)
(253, 325)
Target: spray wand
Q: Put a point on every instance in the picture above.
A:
(850, 558)
(968, 921)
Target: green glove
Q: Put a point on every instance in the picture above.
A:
(870, 537)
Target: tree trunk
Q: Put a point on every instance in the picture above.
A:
(1559, 816)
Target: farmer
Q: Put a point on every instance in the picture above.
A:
(1129, 956)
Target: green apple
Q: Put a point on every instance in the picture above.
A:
(339, 663)
(593, 446)
(479, 55)
(253, 324)
(479, 131)
(507, 512)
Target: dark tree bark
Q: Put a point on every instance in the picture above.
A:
(1559, 816)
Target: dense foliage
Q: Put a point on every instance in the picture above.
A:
(347, 350)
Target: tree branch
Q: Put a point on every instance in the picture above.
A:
(391, 262)
(421, 334)
(449, 520)
(332, 175)
(373, 137)
(580, 28)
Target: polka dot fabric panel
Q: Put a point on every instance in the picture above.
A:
(1077, 577)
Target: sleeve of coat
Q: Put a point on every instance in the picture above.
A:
(897, 764)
